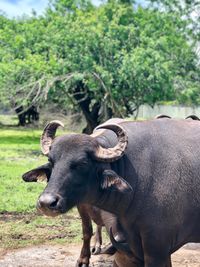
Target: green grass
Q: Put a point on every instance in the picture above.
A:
(8, 119)
(19, 230)
(19, 152)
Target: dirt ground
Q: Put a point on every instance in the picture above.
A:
(66, 256)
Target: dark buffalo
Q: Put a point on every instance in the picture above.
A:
(146, 173)
(88, 213)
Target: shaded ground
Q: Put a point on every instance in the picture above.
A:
(66, 256)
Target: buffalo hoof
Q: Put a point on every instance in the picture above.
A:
(96, 250)
(108, 249)
(80, 264)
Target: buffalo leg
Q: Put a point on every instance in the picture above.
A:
(85, 254)
(156, 248)
(115, 264)
(108, 249)
(122, 260)
(169, 262)
(96, 248)
(156, 263)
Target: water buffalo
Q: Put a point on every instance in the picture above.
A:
(145, 172)
(88, 213)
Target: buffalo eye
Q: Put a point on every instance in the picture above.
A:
(81, 164)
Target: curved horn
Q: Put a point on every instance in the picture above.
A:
(122, 246)
(48, 135)
(113, 153)
(160, 116)
(193, 117)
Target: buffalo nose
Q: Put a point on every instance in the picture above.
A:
(48, 201)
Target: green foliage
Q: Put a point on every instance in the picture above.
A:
(125, 57)
(64, 6)
(188, 10)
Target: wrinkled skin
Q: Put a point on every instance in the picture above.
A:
(157, 202)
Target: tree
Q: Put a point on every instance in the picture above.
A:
(189, 11)
(22, 58)
(136, 54)
(105, 60)
(188, 91)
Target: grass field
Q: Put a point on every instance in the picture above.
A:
(20, 225)
(20, 152)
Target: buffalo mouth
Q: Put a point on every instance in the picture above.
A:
(62, 206)
(48, 212)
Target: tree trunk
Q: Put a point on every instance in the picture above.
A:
(90, 111)
(21, 116)
(28, 116)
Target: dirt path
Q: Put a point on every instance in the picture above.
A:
(66, 256)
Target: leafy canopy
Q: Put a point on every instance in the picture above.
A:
(112, 57)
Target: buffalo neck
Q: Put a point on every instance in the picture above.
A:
(110, 199)
(114, 202)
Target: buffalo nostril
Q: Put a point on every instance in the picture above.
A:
(54, 203)
(48, 201)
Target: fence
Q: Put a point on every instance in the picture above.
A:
(147, 112)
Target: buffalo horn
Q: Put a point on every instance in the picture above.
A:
(48, 135)
(121, 246)
(112, 153)
(193, 117)
(160, 116)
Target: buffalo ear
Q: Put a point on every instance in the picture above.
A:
(39, 174)
(111, 180)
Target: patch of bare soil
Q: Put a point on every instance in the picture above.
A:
(51, 256)
(66, 256)
(6, 216)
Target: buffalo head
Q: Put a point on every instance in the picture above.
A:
(78, 169)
